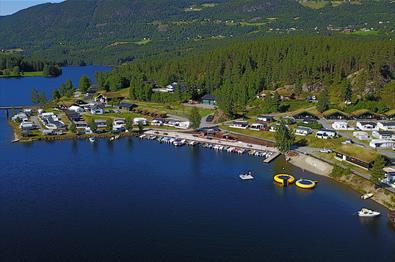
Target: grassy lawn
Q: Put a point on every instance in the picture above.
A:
(314, 4)
(365, 33)
(142, 41)
(172, 108)
(266, 135)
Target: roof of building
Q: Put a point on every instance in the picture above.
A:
(388, 123)
(208, 97)
(334, 111)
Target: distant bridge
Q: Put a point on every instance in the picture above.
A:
(7, 108)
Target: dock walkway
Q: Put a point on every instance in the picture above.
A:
(238, 144)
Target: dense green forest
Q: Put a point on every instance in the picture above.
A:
(17, 65)
(238, 73)
(117, 31)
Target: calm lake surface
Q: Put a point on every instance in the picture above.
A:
(18, 91)
(135, 200)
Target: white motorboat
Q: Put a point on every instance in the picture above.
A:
(364, 212)
(246, 176)
(92, 139)
(366, 196)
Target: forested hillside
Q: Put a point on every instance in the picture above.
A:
(102, 31)
(16, 65)
(238, 73)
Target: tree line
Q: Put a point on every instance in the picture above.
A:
(16, 65)
(237, 73)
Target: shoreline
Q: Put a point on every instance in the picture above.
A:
(361, 185)
(304, 162)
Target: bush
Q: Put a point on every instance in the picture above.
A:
(339, 172)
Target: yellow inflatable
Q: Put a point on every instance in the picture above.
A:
(306, 183)
(284, 179)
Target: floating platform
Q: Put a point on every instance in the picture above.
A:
(306, 183)
(284, 179)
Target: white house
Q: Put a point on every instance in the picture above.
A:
(386, 126)
(21, 116)
(361, 135)
(158, 121)
(239, 124)
(325, 134)
(264, 119)
(341, 125)
(97, 110)
(76, 109)
(367, 126)
(26, 125)
(389, 176)
(183, 124)
(303, 131)
(100, 123)
(386, 135)
(257, 126)
(381, 143)
(140, 120)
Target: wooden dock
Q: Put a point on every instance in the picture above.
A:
(272, 157)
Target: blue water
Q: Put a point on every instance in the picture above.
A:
(18, 91)
(135, 200)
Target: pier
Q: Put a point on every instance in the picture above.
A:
(272, 157)
(226, 143)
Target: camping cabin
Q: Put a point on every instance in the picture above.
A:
(353, 160)
(239, 124)
(258, 127)
(140, 120)
(334, 114)
(341, 125)
(390, 115)
(100, 123)
(305, 116)
(325, 134)
(389, 176)
(381, 143)
(386, 126)
(360, 135)
(363, 115)
(208, 99)
(367, 126)
(388, 135)
(264, 119)
(303, 131)
(126, 106)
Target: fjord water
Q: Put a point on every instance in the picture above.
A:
(134, 200)
(18, 91)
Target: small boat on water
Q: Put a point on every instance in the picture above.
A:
(367, 196)
(364, 212)
(112, 138)
(246, 176)
(15, 140)
(92, 139)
